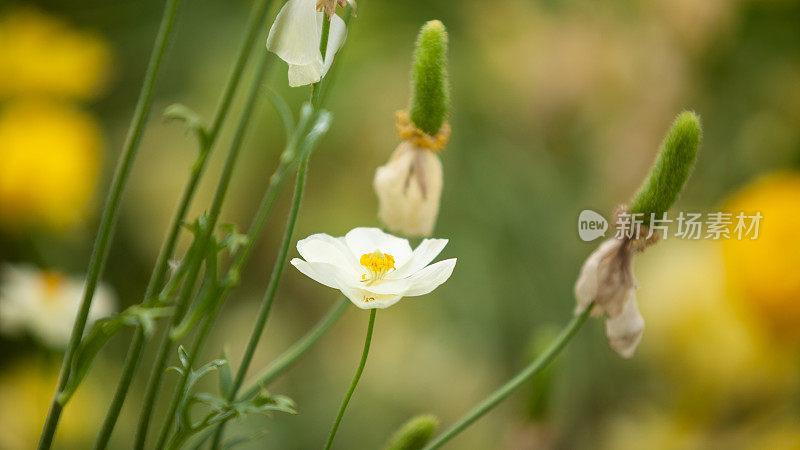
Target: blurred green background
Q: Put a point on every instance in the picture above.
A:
(558, 106)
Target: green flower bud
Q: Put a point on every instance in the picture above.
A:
(414, 434)
(430, 98)
(672, 167)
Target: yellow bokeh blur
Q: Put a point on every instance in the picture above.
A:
(41, 55)
(49, 160)
(715, 356)
(765, 272)
(26, 389)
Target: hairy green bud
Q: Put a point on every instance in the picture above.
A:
(672, 167)
(414, 434)
(430, 98)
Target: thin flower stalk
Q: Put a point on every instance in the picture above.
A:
(354, 383)
(530, 371)
(111, 210)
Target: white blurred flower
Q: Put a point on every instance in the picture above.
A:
(372, 268)
(607, 279)
(296, 36)
(45, 303)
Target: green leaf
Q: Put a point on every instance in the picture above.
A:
(210, 295)
(225, 377)
(283, 110)
(183, 357)
(233, 240)
(101, 332)
(194, 123)
(220, 410)
(320, 126)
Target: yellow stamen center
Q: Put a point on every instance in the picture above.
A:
(377, 264)
(53, 282)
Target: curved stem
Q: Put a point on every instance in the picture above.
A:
(296, 351)
(111, 209)
(523, 376)
(354, 383)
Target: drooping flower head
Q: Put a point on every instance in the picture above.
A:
(409, 186)
(45, 303)
(372, 268)
(296, 37)
(606, 281)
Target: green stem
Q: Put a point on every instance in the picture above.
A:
(111, 210)
(354, 383)
(128, 371)
(296, 351)
(285, 360)
(199, 340)
(536, 366)
(194, 264)
(272, 288)
(269, 297)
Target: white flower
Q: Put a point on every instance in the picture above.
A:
(45, 303)
(409, 189)
(296, 36)
(372, 268)
(607, 279)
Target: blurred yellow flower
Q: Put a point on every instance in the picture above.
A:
(714, 354)
(766, 271)
(26, 389)
(49, 160)
(42, 55)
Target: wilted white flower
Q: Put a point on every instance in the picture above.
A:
(45, 303)
(607, 279)
(372, 268)
(409, 189)
(409, 185)
(296, 36)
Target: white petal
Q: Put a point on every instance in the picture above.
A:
(296, 33)
(365, 240)
(303, 75)
(425, 252)
(431, 277)
(587, 286)
(624, 331)
(368, 300)
(320, 272)
(338, 33)
(324, 248)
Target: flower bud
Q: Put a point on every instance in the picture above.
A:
(409, 186)
(672, 167)
(430, 101)
(414, 434)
